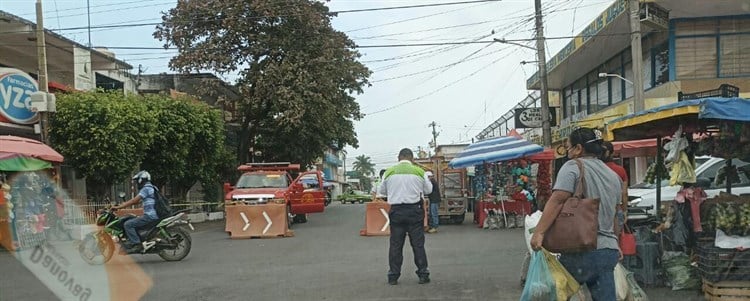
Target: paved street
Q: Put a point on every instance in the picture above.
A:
(327, 260)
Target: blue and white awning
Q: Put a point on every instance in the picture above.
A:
(495, 150)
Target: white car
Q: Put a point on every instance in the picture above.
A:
(706, 174)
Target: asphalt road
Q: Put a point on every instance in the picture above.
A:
(326, 260)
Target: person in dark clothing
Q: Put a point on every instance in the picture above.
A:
(434, 198)
(404, 185)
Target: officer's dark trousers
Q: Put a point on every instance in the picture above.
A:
(407, 219)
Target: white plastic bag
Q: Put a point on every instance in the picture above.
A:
(621, 282)
(529, 226)
(725, 241)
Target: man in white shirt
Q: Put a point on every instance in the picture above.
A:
(403, 185)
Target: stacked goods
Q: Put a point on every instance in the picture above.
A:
(731, 218)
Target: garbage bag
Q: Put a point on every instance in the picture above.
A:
(621, 282)
(565, 284)
(540, 286)
(680, 273)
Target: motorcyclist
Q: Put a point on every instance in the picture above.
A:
(147, 195)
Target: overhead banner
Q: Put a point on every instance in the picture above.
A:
(532, 117)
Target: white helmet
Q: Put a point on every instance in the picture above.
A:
(142, 176)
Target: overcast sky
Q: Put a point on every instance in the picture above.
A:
(463, 88)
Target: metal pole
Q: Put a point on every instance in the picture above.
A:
(41, 51)
(728, 172)
(637, 54)
(546, 130)
(88, 13)
(658, 179)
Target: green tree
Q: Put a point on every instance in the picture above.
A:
(364, 166)
(188, 146)
(297, 75)
(103, 135)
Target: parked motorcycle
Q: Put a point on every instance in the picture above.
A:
(167, 237)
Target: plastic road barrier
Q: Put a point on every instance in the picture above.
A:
(250, 221)
(377, 221)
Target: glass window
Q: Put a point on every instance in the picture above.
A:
(661, 64)
(696, 57)
(629, 76)
(735, 55)
(602, 99)
(569, 102)
(647, 80)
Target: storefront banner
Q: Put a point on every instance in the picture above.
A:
(16, 88)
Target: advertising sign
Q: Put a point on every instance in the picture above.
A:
(16, 88)
(532, 117)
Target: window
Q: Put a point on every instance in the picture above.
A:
(602, 99)
(718, 47)
(567, 106)
(661, 64)
(735, 55)
(696, 57)
(629, 76)
(647, 80)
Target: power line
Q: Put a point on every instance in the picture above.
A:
(414, 6)
(441, 88)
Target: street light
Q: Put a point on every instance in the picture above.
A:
(604, 75)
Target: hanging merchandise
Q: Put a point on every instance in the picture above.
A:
(656, 169)
(683, 171)
(675, 146)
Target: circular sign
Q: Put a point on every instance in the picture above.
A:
(308, 198)
(561, 151)
(15, 96)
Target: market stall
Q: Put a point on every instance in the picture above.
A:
(26, 169)
(710, 233)
(512, 176)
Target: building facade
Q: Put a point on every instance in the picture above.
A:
(685, 48)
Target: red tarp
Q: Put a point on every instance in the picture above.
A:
(28, 147)
(635, 148)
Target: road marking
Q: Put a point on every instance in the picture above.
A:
(387, 220)
(247, 221)
(268, 219)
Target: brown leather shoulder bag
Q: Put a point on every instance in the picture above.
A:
(576, 227)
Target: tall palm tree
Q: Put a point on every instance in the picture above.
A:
(364, 166)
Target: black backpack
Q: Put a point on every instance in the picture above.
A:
(163, 210)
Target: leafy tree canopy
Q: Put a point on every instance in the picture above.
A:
(297, 75)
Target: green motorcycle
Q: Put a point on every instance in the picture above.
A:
(167, 237)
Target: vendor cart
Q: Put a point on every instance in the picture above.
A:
(713, 229)
(23, 218)
(512, 176)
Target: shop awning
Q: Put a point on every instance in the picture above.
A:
(635, 148)
(661, 121)
(16, 162)
(28, 148)
(495, 150)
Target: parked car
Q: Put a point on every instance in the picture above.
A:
(706, 175)
(352, 196)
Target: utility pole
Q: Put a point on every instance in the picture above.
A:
(434, 135)
(542, 60)
(88, 13)
(637, 54)
(41, 50)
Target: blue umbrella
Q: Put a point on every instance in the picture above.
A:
(495, 150)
